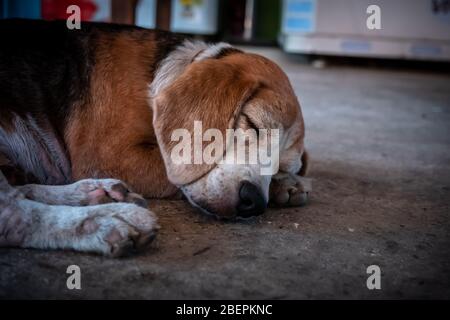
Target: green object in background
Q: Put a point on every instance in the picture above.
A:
(191, 2)
(268, 19)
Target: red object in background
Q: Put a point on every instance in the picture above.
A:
(56, 9)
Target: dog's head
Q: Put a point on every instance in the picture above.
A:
(220, 91)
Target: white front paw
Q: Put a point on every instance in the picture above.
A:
(125, 229)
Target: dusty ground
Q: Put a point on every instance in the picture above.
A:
(380, 143)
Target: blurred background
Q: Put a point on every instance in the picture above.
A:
(411, 29)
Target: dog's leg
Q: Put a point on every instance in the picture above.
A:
(289, 190)
(12, 224)
(83, 193)
(110, 229)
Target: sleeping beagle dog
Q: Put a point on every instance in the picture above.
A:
(88, 115)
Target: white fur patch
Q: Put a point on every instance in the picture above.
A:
(177, 61)
(212, 51)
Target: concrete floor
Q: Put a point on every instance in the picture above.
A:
(380, 144)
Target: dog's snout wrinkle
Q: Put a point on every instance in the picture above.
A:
(251, 200)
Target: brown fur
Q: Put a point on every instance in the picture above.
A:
(112, 134)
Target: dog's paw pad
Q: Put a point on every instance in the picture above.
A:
(117, 191)
(124, 244)
(130, 230)
(137, 200)
(98, 196)
(290, 190)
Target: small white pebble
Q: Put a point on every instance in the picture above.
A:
(351, 229)
(296, 225)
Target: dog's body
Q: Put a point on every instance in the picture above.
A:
(72, 92)
(102, 102)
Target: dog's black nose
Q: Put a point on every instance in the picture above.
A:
(251, 201)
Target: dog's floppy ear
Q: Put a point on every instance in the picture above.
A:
(211, 91)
